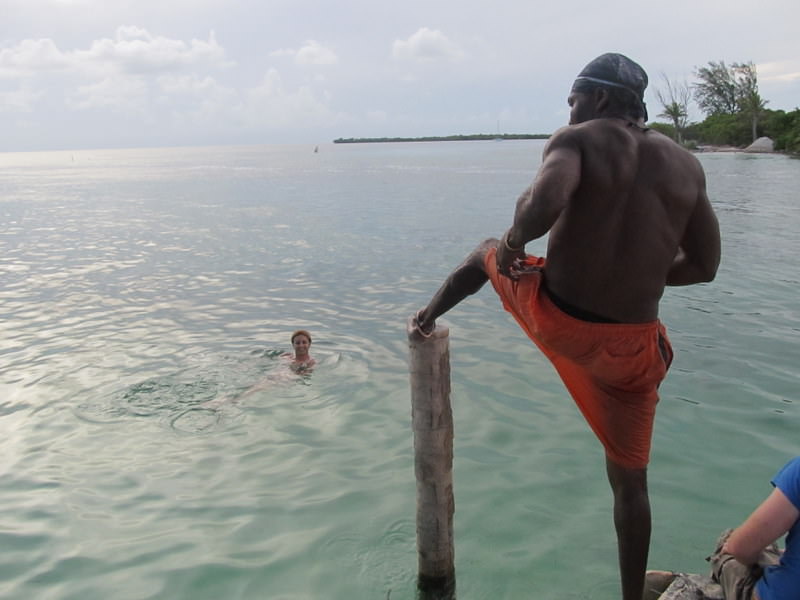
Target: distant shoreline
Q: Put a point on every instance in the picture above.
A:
(447, 138)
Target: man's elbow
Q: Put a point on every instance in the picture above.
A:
(707, 268)
(708, 274)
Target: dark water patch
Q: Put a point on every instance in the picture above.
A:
(197, 400)
(196, 420)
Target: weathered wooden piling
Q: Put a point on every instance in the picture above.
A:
(432, 421)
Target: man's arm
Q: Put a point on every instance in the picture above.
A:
(698, 255)
(541, 204)
(771, 520)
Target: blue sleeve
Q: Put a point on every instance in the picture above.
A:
(788, 481)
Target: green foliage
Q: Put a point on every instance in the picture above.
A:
(747, 96)
(674, 99)
(734, 130)
(722, 130)
(748, 100)
(674, 112)
(784, 129)
(690, 144)
(715, 93)
(733, 90)
(665, 128)
(669, 131)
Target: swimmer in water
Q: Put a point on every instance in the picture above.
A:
(301, 361)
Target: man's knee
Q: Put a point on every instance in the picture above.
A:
(625, 480)
(486, 244)
(471, 274)
(477, 258)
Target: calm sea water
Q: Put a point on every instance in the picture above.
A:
(139, 284)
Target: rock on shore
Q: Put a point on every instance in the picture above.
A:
(683, 586)
(762, 144)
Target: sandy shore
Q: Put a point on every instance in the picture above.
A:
(718, 149)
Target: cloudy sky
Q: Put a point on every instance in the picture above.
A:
(122, 73)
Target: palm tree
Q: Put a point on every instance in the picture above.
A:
(749, 100)
(675, 102)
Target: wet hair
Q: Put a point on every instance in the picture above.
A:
(301, 332)
(623, 79)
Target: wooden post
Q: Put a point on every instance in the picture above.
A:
(432, 419)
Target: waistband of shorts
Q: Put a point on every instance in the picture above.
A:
(574, 322)
(616, 326)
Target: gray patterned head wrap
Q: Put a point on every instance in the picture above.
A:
(614, 70)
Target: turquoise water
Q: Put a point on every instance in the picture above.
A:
(140, 284)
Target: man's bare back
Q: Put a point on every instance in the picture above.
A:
(612, 248)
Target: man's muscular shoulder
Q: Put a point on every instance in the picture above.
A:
(664, 151)
(569, 135)
(589, 134)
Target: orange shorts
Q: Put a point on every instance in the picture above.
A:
(612, 370)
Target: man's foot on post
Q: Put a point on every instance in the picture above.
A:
(425, 329)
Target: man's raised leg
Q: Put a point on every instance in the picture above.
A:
(632, 522)
(464, 281)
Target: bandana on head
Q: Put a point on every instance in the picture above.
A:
(615, 70)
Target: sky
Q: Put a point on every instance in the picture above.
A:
(78, 74)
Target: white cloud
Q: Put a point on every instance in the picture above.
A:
(283, 52)
(198, 102)
(20, 100)
(427, 45)
(272, 106)
(197, 95)
(788, 70)
(119, 93)
(312, 53)
(120, 74)
(165, 81)
(30, 57)
(190, 85)
(133, 50)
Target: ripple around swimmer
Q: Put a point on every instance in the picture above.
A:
(206, 397)
(196, 420)
(173, 399)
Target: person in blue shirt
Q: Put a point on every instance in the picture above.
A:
(747, 563)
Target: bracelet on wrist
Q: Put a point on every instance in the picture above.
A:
(509, 247)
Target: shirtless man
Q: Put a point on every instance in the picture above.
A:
(627, 213)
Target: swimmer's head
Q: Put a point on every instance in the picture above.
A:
(301, 343)
(624, 80)
(301, 332)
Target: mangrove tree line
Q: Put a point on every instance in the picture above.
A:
(735, 112)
